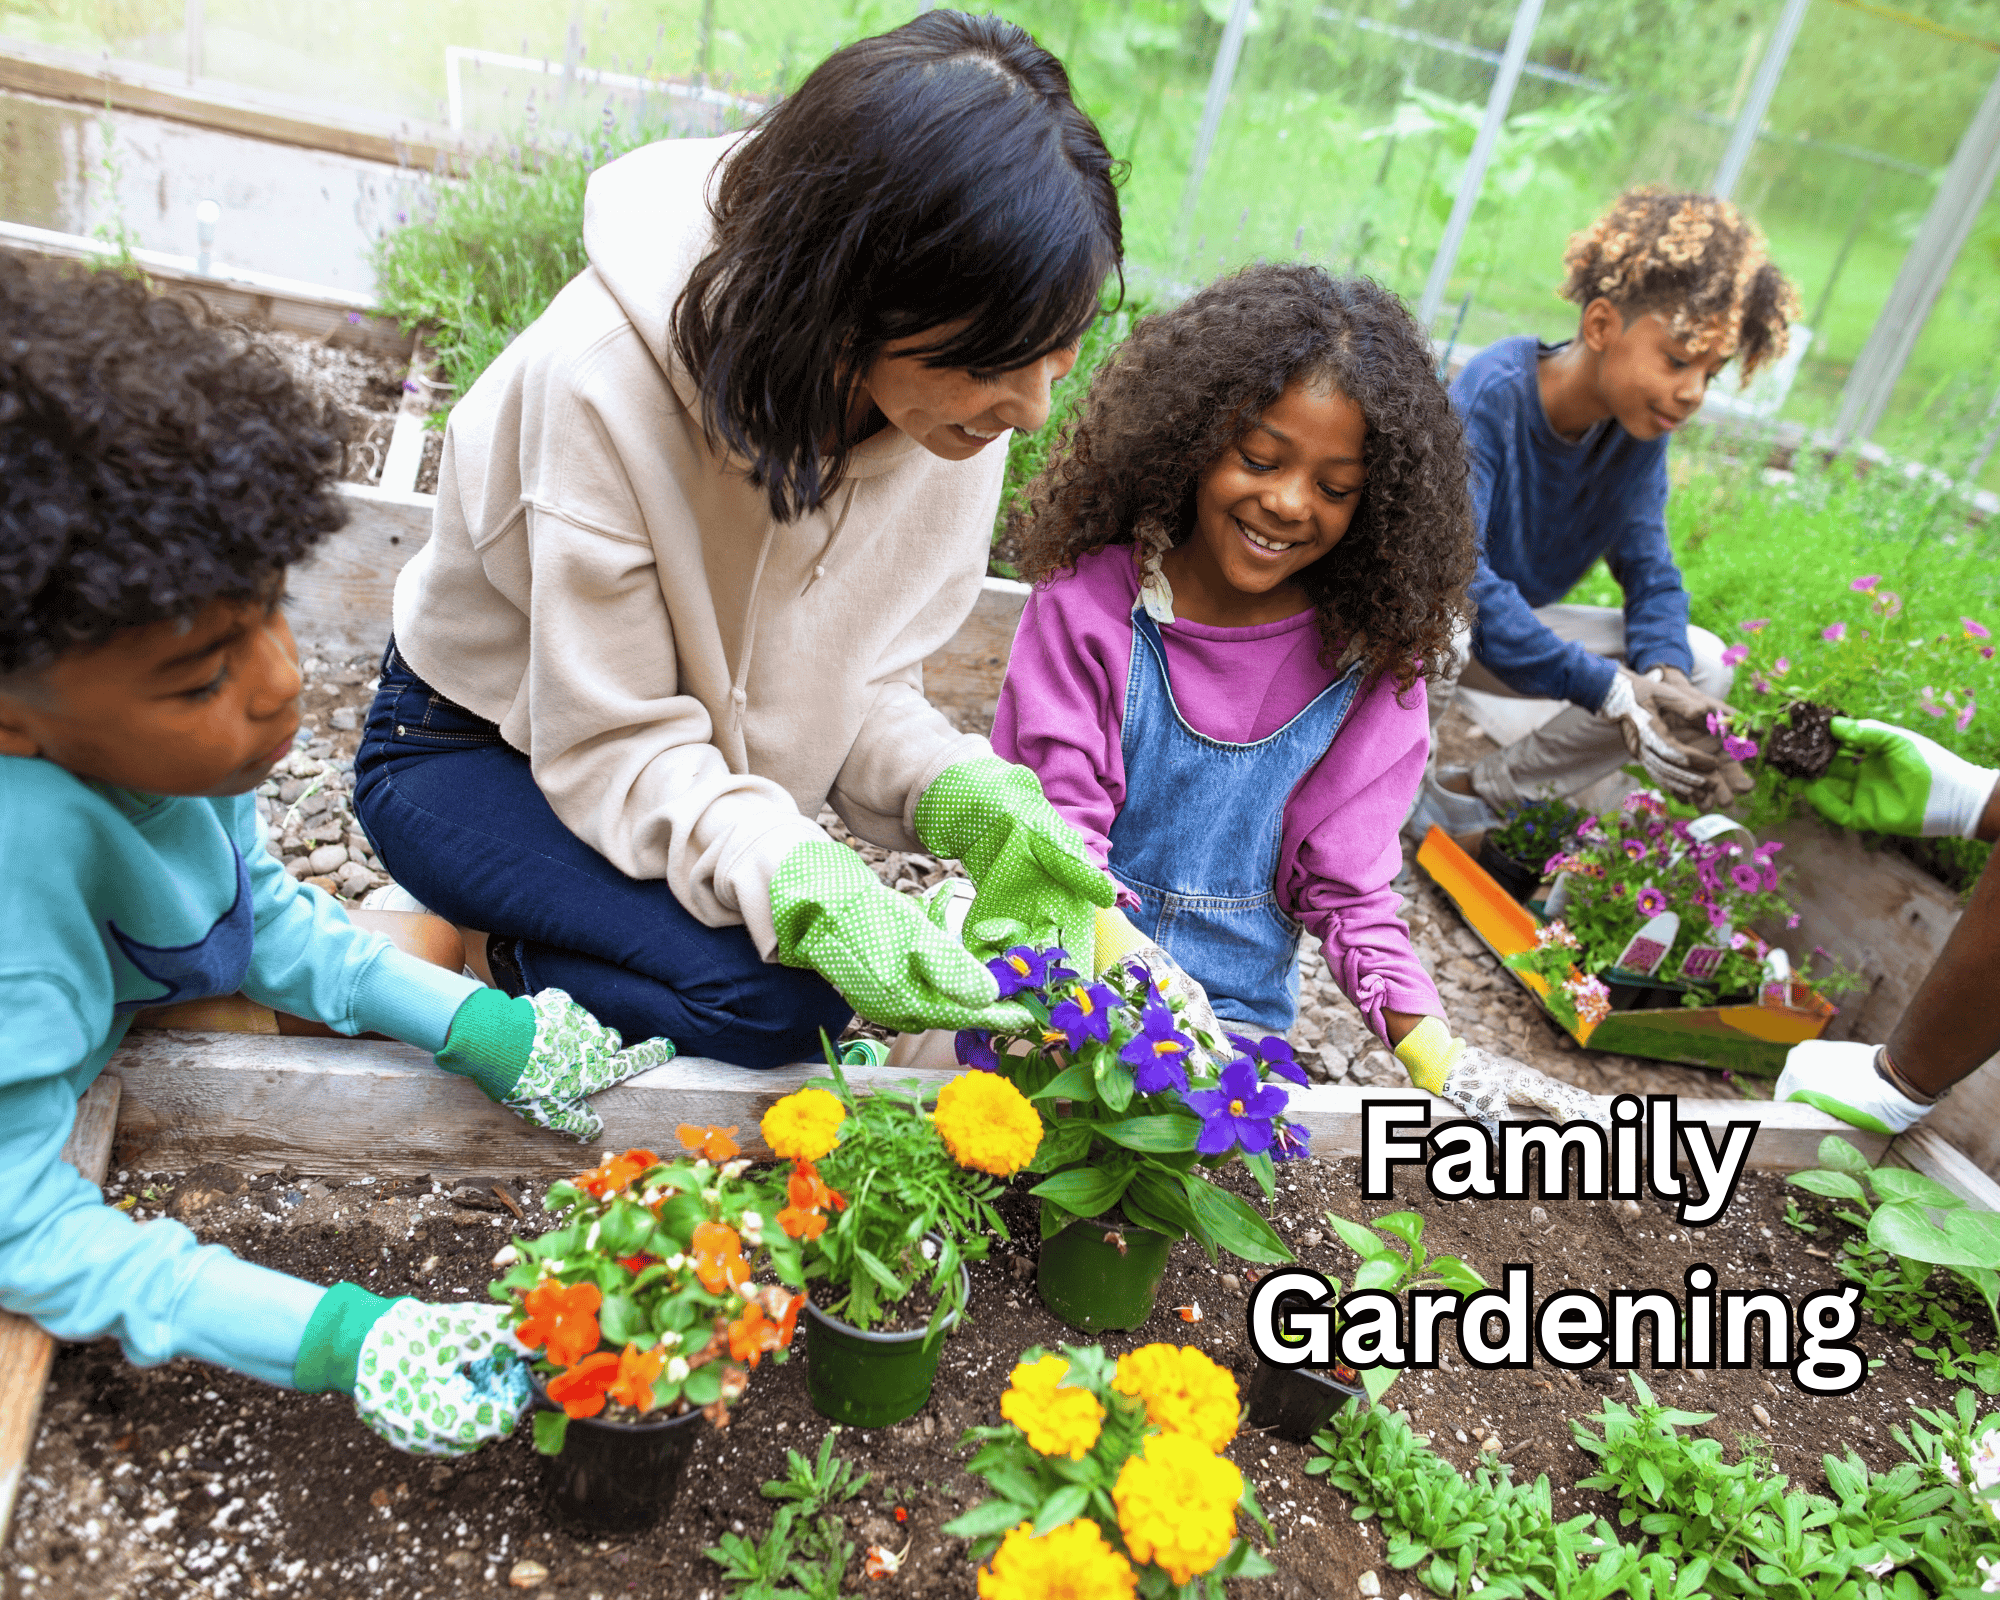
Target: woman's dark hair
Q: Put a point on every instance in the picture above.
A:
(149, 463)
(938, 174)
(1186, 386)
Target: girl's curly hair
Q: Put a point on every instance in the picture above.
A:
(1186, 386)
(149, 462)
(1697, 262)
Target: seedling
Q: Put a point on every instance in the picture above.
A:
(1394, 1271)
(807, 1549)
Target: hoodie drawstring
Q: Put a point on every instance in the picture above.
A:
(739, 696)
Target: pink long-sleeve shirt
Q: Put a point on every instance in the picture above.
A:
(1061, 712)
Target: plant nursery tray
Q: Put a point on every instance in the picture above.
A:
(1751, 1039)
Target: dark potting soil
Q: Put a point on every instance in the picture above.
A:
(911, 1314)
(187, 1481)
(1802, 745)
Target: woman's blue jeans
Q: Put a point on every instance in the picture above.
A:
(456, 816)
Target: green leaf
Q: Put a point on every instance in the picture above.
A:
(703, 1384)
(1087, 1191)
(1259, 1167)
(1160, 1133)
(551, 1428)
(1055, 1218)
(1114, 1082)
(1065, 1505)
(1379, 1272)
(989, 1516)
(1404, 1225)
(1833, 1185)
(1963, 1240)
(1898, 1183)
(1837, 1154)
(1376, 1381)
(1064, 1142)
(878, 1269)
(1074, 1082)
(1162, 1196)
(1363, 1241)
(621, 1319)
(1233, 1223)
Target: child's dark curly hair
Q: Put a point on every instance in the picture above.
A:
(149, 462)
(1188, 383)
(1697, 262)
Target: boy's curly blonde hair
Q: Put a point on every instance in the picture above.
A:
(1693, 260)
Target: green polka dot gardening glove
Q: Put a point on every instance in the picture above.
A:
(1890, 780)
(432, 1380)
(541, 1055)
(1027, 864)
(877, 947)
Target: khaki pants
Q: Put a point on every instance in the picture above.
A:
(1573, 749)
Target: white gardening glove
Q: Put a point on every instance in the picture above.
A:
(1839, 1077)
(1682, 770)
(1482, 1084)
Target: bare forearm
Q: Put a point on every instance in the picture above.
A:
(1953, 1024)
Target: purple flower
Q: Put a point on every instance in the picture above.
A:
(1929, 705)
(1651, 902)
(1291, 1141)
(1025, 967)
(1755, 625)
(1867, 584)
(1974, 630)
(1272, 1054)
(1761, 685)
(974, 1048)
(1086, 1014)
(1717, 723)
(1834, 633)
(1635, 848)
(1889, 603)
(1738, 749)
(1781, 666)
(1239, 1112)
(1735, 654)
(1792, 921)
(1964, 718)
(1157, 1053)
(1746, 877)
(354, 317)
(1717, 917)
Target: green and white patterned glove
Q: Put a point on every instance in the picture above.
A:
(1028, 865)
(541, 1055)
(432, 1380)
(877, 947)
(1891, 780)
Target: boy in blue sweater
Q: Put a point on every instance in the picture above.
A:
(157, 476)
(1569, 452)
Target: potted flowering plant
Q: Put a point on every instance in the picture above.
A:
(1516, 854)
(1110, 1478)
(1137, 1105)
(643, 1307)
(890, 1195)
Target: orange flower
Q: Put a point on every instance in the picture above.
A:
(580, 1391)
(804, 1218)
(711, 1144)
(613, 1173)
(807, 1225)
(636, 1371)
(637, 1264)
(718, 1257)
(564, 1316)
(751, 1334)
(788, 1323)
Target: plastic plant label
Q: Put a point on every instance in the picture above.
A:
(1703, 829)
(1649, 946)
(1558, 898)
(1777, 986)
(1701, 962)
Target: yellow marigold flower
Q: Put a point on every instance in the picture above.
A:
(988, 1124)
(804, 1126)
(1072, 1562)
(1057, 1421)
(1177, 1505)
(1184, 1391)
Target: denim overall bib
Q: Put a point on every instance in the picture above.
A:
(1199, 835)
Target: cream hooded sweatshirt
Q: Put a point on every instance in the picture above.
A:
(689, 678)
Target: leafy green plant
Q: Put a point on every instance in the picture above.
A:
(1395, 1271)
(1533, 832)
(806, 1550)
(1908, 1225)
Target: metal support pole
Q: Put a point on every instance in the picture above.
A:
(1474, 179)
(1967, 183)
(196, 22)
(1743, 137)
(1219, 80)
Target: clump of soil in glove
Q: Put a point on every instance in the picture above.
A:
(1802, 746)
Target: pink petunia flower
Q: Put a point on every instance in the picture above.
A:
(1738, 749)
(1965, 717)
(1755, 625)
(1717, 722)
(1865, 585)
(1651, 902)
(1746, 877)
(1735, 654)
(1929, 704)
(1761, 685)
(1635, 849)
(1835, 633)
(1781, 666)
(1889, 603)
(1974, 630)
(1792, 921)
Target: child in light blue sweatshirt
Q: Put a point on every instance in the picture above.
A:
(157, 476)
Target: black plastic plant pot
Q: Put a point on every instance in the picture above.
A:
(1296, 1402)
(1518, 878)
(869, 1380)
(1630, 992)
(1086, 1279)
(618, 1477)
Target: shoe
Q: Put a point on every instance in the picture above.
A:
(1445, 808)
(1840, 1079)
(864, 1053)
(393, 897)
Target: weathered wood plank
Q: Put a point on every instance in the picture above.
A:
(352, 1107)
(26, 1351)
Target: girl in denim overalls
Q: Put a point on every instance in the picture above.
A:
(1245, 552)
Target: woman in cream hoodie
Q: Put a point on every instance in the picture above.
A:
(697, 530)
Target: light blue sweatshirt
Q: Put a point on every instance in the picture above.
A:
(110, 902)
